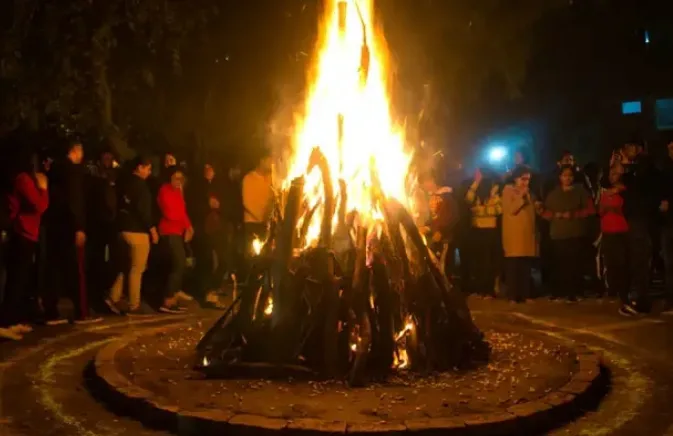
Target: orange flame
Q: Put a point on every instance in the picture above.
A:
(349, 119)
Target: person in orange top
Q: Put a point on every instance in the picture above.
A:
(175, 229)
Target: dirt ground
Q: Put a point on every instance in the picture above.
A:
(521, 369)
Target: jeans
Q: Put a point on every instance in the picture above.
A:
(518, 272)
(176, 258)
(138, 245)
(568, 266)
(615, 251)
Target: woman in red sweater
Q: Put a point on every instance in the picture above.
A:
(175, 228)
(614, 241)
(28, 201)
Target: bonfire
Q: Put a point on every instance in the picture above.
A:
(345, 285)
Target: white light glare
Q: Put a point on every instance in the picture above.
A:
(497, 154)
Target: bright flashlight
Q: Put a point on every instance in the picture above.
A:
(497, 154)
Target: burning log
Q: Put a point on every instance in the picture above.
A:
(318, 159)
(357, 327)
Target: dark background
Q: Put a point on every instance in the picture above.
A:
(216, 77)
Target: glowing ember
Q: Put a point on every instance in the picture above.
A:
(268, 310)
(409, 326)
(257, 245)
(401, 359)
(347, 114)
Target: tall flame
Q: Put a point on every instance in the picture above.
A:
(349, 118)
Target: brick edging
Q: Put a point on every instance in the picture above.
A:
(553, 410)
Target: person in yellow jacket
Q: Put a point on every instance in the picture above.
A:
(483, 198)
(519, 234)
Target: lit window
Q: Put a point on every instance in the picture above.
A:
(631, 107)
(664, 113)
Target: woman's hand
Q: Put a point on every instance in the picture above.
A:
(189, 234)
(478, 176)
(154, 236)
(42, 181)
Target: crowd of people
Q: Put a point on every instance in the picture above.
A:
(587, 231)
(119, 239)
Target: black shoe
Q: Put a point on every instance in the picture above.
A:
(142, 310)
(627, 310)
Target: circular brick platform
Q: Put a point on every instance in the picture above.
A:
(583, 388)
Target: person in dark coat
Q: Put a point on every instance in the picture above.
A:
(641, 202)
(137, 231)
(211, 230)
(66, 238)
(102, 232)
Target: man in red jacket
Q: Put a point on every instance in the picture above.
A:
(175, 229)
(27, 203)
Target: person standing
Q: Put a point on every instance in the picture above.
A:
(27, 203)
(567, 207)
(485, 203)
(258, 199)
(211, 233)
(666, 208)
(641, 201)
(66, 238)
(137, 230)
(102, 231)
(443, 218)
(175, 229)
(519, 238)
(614, 239)
(440, 226)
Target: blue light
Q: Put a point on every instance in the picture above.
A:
(647, 37)
(496, 154)
(631, 107)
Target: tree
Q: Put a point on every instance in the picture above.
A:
(461, 52)
(213, 73)
(74, 63)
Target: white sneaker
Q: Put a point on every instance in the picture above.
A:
(180, 295)
(21, 328)
(9, 334)
(88, 320)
